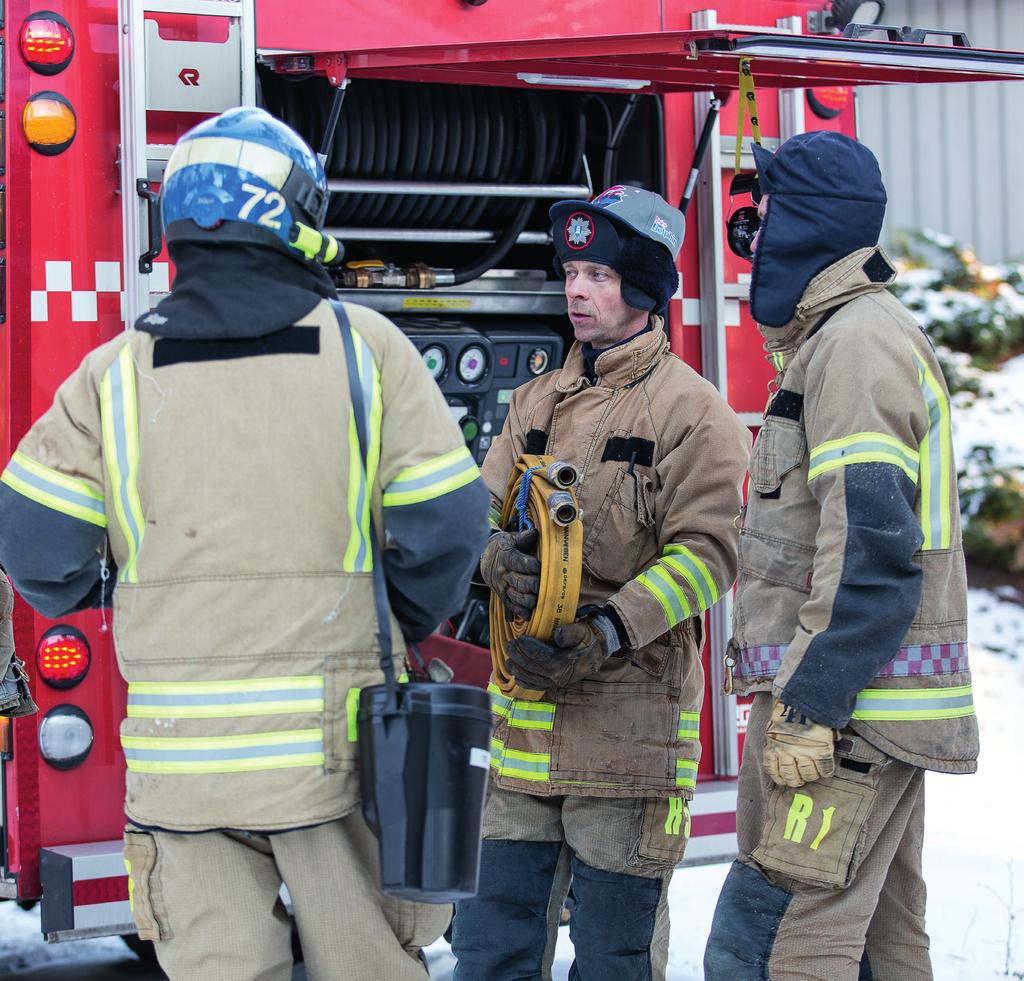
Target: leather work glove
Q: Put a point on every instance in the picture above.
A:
(576, 651)
(511, 572)
(797, 750)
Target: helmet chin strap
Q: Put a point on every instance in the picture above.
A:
(316, 246)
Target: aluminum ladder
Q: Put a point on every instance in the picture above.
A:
(161, 75)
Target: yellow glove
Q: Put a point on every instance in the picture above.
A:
(797, 750)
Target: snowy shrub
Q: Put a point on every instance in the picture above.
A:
(992, 505)
(963, 304)
(974, 315)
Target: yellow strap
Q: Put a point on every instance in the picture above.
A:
(560, 550)
(747, 102)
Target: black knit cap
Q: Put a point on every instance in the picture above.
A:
(634, 231)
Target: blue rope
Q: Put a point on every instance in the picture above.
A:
(522, 499)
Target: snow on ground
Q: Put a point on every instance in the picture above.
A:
(973, 859)
(974, 864)
(995, 418)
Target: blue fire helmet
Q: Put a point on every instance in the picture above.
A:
(244, 176)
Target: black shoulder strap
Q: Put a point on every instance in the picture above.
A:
(380, 590)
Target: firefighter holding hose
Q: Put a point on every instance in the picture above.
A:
(594, 776)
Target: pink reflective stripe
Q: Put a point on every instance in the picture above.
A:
(911, 662)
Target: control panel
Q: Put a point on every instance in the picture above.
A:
(477, 367)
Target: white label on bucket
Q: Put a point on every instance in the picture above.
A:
(479, 757)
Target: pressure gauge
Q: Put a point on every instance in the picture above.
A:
(537, 362)
(436, 360)
(472, 364)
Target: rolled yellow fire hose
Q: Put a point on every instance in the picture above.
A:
(550, 505)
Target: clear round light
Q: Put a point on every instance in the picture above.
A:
(65, 736)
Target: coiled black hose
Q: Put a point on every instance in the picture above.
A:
(433, 132)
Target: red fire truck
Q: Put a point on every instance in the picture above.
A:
(462, 121)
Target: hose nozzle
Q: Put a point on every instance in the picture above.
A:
(562, 508)
(562, 474)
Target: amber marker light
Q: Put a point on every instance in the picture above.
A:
(49, 123)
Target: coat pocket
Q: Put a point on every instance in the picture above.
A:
(345, 676)
(145, 896)
(943, 590)
(666, 830)
(621, 533)
(813, 833)
(781, 446)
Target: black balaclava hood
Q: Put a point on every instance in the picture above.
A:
(230, 290)
(827, 200)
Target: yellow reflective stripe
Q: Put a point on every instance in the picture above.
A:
(914, 704)
(863, 448)
(936, 462)
(131, 885)
(909, 453)
(686, 773)
(522, 766)
(494, 517)
(352, 714)
(120, 425)
(225, 699)
(233, 710)
(698, 566)
(866, 457)
(311, 681)
(680, 559)
(689, 725)
(54, 490)
(667, 592)
(224, 754)
(52, 476)
(501, 704)
(521, 714)
(434, 478)
(249, 740)
(357, 556)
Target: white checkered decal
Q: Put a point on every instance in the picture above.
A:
(59, 279)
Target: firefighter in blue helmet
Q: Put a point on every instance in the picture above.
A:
(850, 616)
(202, 472)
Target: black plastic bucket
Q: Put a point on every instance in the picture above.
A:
(423, 773)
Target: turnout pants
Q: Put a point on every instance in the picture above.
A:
(828, 884)
(211, 904)
(619, 855)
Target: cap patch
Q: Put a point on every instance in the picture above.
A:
(661, 228)
(579, 230)
(611, 195)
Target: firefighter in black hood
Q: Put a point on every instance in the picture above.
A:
(849, 625)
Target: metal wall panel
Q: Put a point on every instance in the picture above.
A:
(949, 153)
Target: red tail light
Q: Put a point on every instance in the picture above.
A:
(47, 42)
(63, 657)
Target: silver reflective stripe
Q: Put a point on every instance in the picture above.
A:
(225, 753)
(56, 490)
(429, 480)
(887, 705)
(229, 698)
(366, 382)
